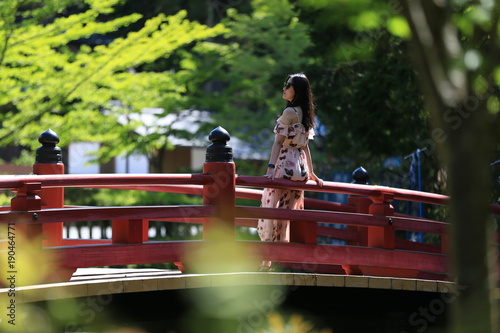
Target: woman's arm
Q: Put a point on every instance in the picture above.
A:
(312, 175)
(275, 150)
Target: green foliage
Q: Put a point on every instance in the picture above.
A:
(366, 93)
(240, 78)
(361, 82)
(5, 198)
(399, 27)
(25, 158)
(368, 101)
(372, 107)
(49, 80)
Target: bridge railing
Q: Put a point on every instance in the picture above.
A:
(37, 211)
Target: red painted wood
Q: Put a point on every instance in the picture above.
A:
(241, 193)
(51, 198)
(345, 188)
(73, 242)
(130, 231)
(381, 237)
(308, 254)
(342, 218)
(369, 212)
(180, 188)
(303, 232)
(27, 199)
(9, 182)
(197, 220)
(342, 234)
(109, 213)
(361, 205)
(384, 236)
(340, 255)
(415, 246)
(120, 254)
(221, 194)
(251, 223)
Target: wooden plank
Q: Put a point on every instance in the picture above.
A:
(353, 219)
(119, 254)
(68, 180)
(345, 188)
(343, 234)
(307, 254)
(146, 280)
(349, 255)
(415, 246)
(107, 213)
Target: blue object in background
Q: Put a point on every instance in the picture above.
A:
(415, 177)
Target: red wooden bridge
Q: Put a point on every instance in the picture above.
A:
(37, 210)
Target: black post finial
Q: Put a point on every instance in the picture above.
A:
(360, 176)
(219, 151)
(48, 152)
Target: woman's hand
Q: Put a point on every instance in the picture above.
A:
(270, 173)
(318, 180)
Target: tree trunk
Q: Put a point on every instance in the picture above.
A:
(463, 129)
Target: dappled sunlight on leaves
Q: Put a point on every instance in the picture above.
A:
(29, 263)
(296, 323)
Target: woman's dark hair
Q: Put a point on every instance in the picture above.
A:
(303, 98)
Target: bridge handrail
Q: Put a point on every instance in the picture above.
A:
(89, 180)
(158, 180)
(372, 247)
(371, 191)
(344, 188)
(193, 184)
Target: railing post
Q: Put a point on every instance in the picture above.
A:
(27, 199)
(383, 237)
(221, 193)
(48, 161)
(361, 204)
(27, 237)
(129, 231)
(303, 232)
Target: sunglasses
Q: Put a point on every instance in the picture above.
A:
(287, 85)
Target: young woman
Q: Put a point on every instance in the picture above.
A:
(290, 157)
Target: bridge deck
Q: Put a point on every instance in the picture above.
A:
(102, 281)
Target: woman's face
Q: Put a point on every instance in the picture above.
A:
(288, 91)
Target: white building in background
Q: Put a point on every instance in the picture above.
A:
(79, 158)
(188, 153)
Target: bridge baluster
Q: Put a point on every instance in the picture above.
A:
(221, 193)
(27, 199)
(382, 237)
(361, 204)
(48, 161)
(129, 231)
